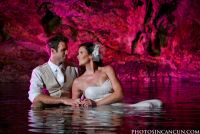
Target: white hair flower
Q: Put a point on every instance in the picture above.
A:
(96, 54)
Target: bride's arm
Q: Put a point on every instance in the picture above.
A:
(117, 95)
(76, 92)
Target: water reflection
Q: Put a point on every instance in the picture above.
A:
(105, 119)
(48, 121)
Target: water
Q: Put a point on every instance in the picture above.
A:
(181, 111)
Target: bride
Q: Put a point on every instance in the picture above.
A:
(98, 85)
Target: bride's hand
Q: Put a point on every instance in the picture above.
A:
(88, 103)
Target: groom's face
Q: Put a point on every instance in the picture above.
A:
(61, 52)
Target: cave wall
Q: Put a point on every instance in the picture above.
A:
(141, 39)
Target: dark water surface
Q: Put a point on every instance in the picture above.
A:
(181, 111)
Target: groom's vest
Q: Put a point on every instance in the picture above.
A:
(51, 83)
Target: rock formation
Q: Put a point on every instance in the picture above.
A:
(141, 39)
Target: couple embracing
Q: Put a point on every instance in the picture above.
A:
(55, 82)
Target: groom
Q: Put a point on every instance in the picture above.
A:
(51, 82)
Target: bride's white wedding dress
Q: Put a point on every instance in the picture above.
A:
(99, 92)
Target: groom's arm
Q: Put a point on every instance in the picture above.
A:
(37, 97)
(46, 99)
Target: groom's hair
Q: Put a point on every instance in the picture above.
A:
(55, 40)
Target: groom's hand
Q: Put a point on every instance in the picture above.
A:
(67, 101)
(77, 103)
(84, 103)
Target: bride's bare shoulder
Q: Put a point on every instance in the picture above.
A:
(107, 69)
(78, 80)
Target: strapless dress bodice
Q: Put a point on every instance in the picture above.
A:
(98, 92)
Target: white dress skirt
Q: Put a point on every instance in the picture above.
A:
(99, 92)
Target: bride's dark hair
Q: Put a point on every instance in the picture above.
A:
(89, 46)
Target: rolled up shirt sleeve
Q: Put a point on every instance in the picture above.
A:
(36, 85)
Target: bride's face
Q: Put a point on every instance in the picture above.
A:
(83, 56)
